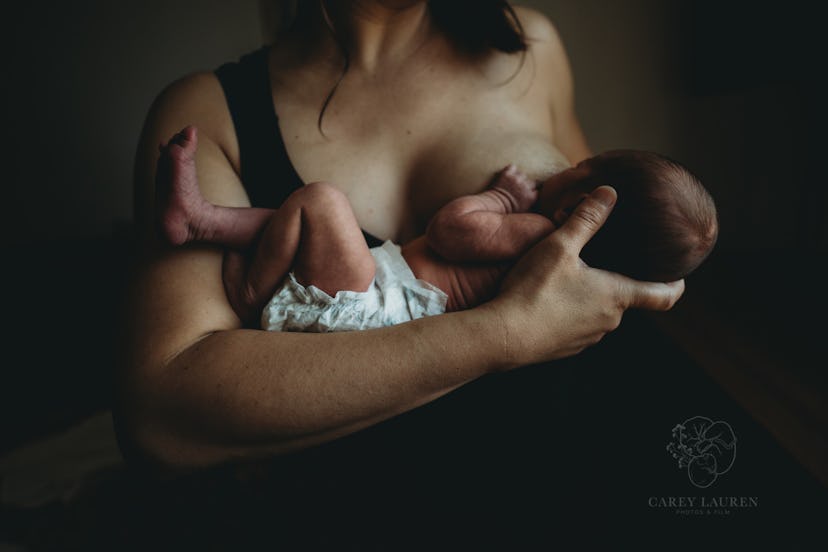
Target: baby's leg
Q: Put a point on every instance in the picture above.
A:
(184, 214)
(491, 225)
(316, 235)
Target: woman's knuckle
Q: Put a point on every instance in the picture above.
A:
(612, 319)
(590, 217)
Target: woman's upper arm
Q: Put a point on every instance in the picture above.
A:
(555, 75)
(178, 295)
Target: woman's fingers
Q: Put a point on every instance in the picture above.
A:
(588, 217)
(554, 305)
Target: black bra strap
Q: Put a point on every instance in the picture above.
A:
(266, 171)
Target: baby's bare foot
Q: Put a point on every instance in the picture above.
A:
(520, 190)
(180, 204)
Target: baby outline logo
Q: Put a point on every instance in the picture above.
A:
(706, 448)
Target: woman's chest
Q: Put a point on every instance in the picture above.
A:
(400, 159)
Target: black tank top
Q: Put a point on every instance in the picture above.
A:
(267, 173)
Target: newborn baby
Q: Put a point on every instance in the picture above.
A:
(315, 272)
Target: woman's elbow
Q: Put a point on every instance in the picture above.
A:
(144, 428)
(140, 437)
(150, 444)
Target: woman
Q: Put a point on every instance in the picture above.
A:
(425, 110)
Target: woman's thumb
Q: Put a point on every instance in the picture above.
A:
(589, 216)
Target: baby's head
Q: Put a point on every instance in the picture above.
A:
(663, 225)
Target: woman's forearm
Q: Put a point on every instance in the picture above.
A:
(197, 391)
(248, 393)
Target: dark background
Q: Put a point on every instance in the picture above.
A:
(733, 89)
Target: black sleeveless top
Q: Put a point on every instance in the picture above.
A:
(267, 173)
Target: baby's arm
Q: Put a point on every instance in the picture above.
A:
(492, 225)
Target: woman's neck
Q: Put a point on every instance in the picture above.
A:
(374, 32)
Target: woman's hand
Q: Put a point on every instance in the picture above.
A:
(553, 305)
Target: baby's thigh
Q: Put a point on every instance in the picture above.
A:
(332, 252)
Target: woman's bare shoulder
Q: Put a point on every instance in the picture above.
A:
(533, 20)
(553, 76)
(194, 99)
(542, 35)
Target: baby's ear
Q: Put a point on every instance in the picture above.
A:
(560, 215)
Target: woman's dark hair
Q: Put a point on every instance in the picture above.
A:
(474, 26)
